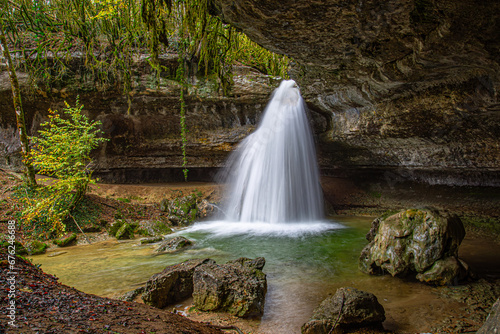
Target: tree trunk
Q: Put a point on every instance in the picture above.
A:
(16, 96)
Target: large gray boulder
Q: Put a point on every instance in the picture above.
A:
(347, 308)
(418, 241)
(492, 323)
(173, 284)
(238, 287)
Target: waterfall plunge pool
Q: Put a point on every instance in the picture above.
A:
(302, 268)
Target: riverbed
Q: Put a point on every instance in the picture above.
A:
(302, 266)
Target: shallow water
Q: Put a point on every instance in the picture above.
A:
(302, 269)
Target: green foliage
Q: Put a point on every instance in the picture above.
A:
(86, 213)
(36, 247)
(20, 249)
(95, 41)
(61, 151)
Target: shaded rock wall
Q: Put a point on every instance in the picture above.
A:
(399, 89)
(398, 83)
(145, 142)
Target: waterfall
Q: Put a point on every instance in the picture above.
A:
(273, 175)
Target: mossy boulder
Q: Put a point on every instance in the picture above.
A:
(90, 228)
(126, 231)
(115, 227)
(122, 229)
(36, 247)
(173, 284)
(182, 210)
(154, 228)
(237, 287)
(415, 241)
(67, 240)
(347, 308)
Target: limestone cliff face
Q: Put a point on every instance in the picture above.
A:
(145, 142)
(399, 83)
(409, 86)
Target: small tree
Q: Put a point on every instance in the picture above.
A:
(61, 150)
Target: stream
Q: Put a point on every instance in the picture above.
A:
(302, 269)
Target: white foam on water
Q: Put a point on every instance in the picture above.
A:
(224, 228)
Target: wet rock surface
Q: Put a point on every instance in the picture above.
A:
(173, 245)
(173, 284)
(477, 298)
(347, 308)
(420, 241)
(151, 240)
(238, 287)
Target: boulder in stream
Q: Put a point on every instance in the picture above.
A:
(347, 308)
(173, 245)
(416, 241)
(173, 284)
(238, 287)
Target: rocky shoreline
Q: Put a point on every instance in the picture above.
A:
(43, 305)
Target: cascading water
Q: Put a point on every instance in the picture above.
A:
(272, 178)
(273, 175)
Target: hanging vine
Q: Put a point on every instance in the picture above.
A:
(182, 79)
(102, 37)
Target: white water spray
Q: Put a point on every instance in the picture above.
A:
(273, 174)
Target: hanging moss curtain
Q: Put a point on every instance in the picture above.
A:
(105, 35)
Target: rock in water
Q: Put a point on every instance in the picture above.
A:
(492, 323)
(173, 284)
(174, 244)
(348, 307)
(238, 287)
(416, 241)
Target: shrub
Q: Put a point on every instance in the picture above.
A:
(61, 151)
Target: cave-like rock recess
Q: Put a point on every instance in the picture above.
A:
(405, 86)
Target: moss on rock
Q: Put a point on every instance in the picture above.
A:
(65, 241)
(36, 247)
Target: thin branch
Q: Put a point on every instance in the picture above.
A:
(80, 229)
